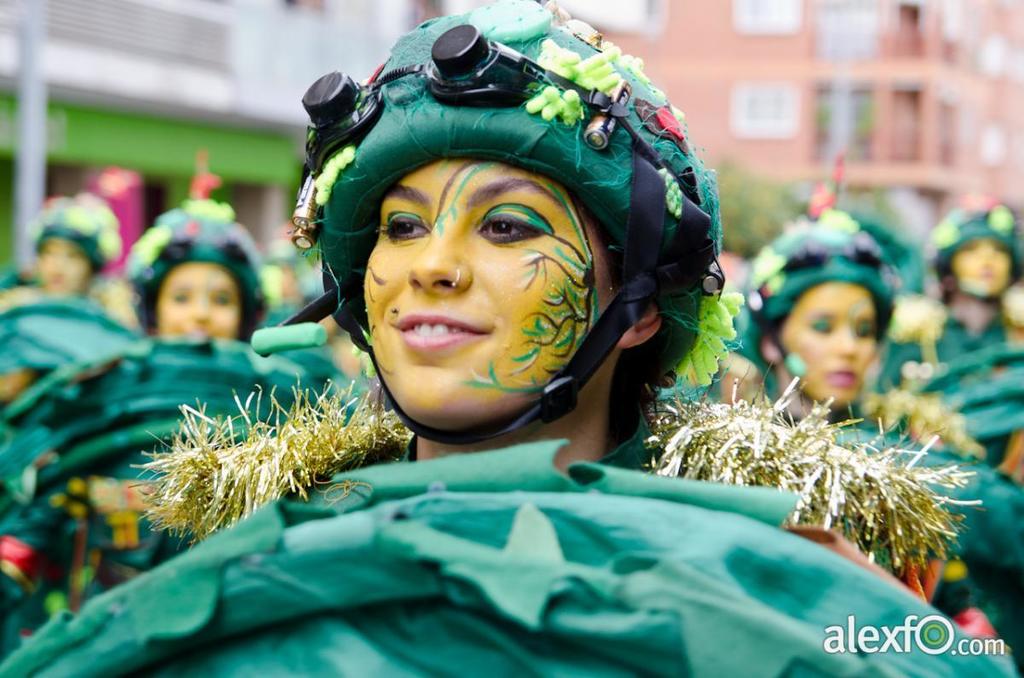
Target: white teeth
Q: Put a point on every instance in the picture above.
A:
(425, 330)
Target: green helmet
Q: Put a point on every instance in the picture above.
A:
(85, 220)
(901, 252)
(960, 226)
(834, 249)
(515, 83)
(198, 231)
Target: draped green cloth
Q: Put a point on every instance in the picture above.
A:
(496, 564)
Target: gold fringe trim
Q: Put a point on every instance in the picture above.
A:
(218, 471)
(879, 499)
(927, 415)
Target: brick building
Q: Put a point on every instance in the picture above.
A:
(926, 96)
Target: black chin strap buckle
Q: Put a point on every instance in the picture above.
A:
(559, 398)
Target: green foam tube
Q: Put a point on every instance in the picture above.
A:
(277, 339)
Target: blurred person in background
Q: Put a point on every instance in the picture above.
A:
(75, 238)
(196, 274)
(821, 299)
(977, 259)
(71, 509)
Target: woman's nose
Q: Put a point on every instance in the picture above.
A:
(438, 270)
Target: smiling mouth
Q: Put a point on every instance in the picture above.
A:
(435, 333)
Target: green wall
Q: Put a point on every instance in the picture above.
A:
(158, 147)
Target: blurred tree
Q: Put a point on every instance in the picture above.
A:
(754, 209)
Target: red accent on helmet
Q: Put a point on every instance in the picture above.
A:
(668, 123)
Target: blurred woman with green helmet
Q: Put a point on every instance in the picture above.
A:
(516, 229)
(977, 258)
(196, 273)
(75, 238)
(820, 302)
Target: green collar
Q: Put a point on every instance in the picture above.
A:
(631, 454)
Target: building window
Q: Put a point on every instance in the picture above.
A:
(993, 145)
(847, 30)
(767, 17)
(994, 55)
(849, 129)
(905, 145)
(638, 16)
(765, 111)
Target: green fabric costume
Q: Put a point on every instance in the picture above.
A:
(496, 563)
(48, 333)
(987, 387)
(71, 506)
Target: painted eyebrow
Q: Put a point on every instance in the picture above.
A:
(408, 193)
(501, 186)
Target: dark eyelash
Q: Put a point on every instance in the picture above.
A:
(525, 230)
(389, 230)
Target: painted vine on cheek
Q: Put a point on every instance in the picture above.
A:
(565, 267)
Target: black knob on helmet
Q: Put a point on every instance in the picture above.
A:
(459, 51)
(330, 98)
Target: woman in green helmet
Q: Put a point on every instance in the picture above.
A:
(487, 206)
(196, 273)
(821, 298)
(977, 259)
(75, 238)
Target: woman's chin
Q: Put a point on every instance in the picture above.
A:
(459, 410)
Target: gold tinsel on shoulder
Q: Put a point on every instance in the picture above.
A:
(926, 415)
(1013, 306)
(917, 319)
(117, 298)
(880, 499)
(218, 471)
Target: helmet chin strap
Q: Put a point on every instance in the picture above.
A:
(641, 275)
